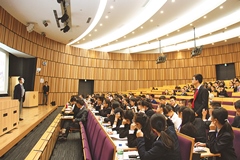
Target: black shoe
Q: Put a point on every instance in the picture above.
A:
(20, 119)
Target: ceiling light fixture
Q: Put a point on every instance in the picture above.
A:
(221, 7)
(65, 29)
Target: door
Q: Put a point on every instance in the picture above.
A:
(85, 87)
(225, 71)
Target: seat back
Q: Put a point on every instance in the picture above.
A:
(186, 144)
(231, 112)
(236, 142)
(108, 151)
(230, 119)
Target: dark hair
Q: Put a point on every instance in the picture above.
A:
(19, 78)
(80, 101)
(162, 98)
(128, 114)
(187, 127)
(221, 114)
(144, 103)
(188, 115)
(167, 109)
(152, 95)
(108, 102)
(127, 100)
(190, 100)
(143, 119)
(215, 104)
(173, 97)
(73, 99)
(181, 109)
(237, 104)
(115, 104)
(120, 110)
(134, 100)
(158, 122)
(198, 77)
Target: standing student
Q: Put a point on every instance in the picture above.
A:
(45, 93)
(201, 95)
(165, 146)
(19, 93)
(220, 136)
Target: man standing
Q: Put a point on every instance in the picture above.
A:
(201, 95)
(19, 93)
(45, 92)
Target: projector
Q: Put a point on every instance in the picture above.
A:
(196, 51)
(161, 59)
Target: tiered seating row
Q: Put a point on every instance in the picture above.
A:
(44, 147)
(97, 144)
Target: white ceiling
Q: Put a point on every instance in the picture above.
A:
(128, 28)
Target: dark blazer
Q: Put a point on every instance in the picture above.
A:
(123, 131)
(223, 144)
(154, 101)
(236, 122)
(45, 89)
(201, 130)
(159, 150)
(201, 101)
(176, 108)
(149, 112)
(17, 94)
(105, 111)
(82, 115)
(75, 110)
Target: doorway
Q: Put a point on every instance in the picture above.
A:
(225, 71)
(85, 87)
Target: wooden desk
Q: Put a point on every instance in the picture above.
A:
(205, 154)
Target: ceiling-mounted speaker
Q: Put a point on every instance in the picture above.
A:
(30, 27)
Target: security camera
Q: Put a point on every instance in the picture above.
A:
(45, 23)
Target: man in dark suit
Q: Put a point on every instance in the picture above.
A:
(81, 116)
(45, 93)
(174, 104)
(19, 93)
(201, 95)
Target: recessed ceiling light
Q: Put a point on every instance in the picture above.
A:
(151, 20)
(178, 30)
(78, 42)
(191, 24)
(212, 43)
(116, 40)
(141, 27)
(225, 27)
(221, 7)
(106, 17)
(125, 36)
(101, 24)
(225, 40)
(205, 17)
(83, 39)
(89, 35)
(133, 32)
(95, 30)
(173, 0)
(210, 33)
(238, 36)
(167, 35)
(161, 12)
(111, 7)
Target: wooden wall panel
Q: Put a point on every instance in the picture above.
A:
(111, 72)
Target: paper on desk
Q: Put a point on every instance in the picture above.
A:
(116, 137)
(126, 154)
(199, 149)
(67, 117)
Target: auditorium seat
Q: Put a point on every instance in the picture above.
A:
(186, 144)
(236, 142)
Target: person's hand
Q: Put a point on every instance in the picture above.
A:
(196, 114)
(212, 126)
(108, 115)
(73, 120)
(204, 113)
(139, 133)
(124, 121)
(133, 126)
(117, 115)
(199, 144)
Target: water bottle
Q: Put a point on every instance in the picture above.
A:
(120, 152)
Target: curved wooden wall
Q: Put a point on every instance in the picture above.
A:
(111, 72)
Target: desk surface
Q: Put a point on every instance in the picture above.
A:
(207, 153)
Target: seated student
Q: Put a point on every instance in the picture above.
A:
(220, 135)
(160, 109)
(221, 92)
(189, 103)
(118, 117)
(133, 104)
(182, 102)
(111, 116)
(168, 112)
(126, 104)
(99, 103)
(140, 122)
(236, 121)
(145, 107)
(163, 100)
(75, 109)
(165, 146)
(126, 122)
(191, 126)
(206, 120)
(81, 116)
(173, 103)
(151, 97)
(105, 108)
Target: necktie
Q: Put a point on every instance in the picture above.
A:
(194, 97)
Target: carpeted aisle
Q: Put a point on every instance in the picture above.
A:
(21, 150)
